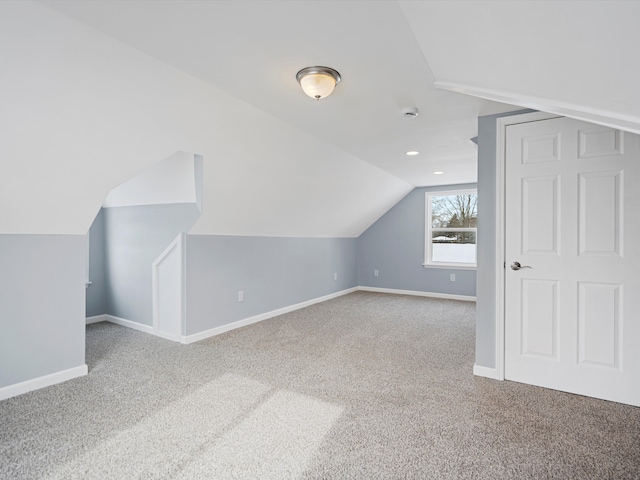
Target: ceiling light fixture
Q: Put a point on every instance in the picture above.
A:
(318, 82)
(411, 153)
(438, 173)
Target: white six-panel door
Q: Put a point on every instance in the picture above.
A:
(572, 320)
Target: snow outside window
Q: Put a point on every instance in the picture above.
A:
(451, 229)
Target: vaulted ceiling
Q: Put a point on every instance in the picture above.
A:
(253, 50)
(94, 92)
(573, 58)
(566, 57)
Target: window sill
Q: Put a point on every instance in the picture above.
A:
(451, 266)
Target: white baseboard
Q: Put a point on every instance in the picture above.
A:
(167, 336)
(96, 319)
(416, 293)
(487, 372)
(196, 337)
(41, 382)
(127, 323)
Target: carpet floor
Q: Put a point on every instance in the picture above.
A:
(365, 386)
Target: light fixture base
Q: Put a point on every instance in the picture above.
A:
(318, 82)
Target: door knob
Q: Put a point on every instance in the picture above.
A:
(517, 266)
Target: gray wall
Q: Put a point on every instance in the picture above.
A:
(488, 264)
(273, 272)
(42, 291)
(97, 290)
(134, 238)
(394, 246)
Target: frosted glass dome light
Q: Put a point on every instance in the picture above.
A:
(318, 82)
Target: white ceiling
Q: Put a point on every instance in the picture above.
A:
(172, 180)
(82, 113)
(84, 108)
(253, 49)
(573, 58)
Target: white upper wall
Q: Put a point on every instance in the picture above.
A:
(574, 58)
(82, 113)
(170, 181)
(252, 49)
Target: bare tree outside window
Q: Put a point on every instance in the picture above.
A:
(451, 232)
(454, 211)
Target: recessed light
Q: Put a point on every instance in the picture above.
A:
(411, 153)
(438, 173)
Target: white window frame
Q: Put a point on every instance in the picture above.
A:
(428, 244)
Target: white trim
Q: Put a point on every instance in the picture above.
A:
(428, 243)
(178, 243)
(446, 266)
(87, 257)
(168, 336)
(416, 293)
(196, 337)
(96, 319)
(129, 324)
(480, 371)
(42, 382)
(579, 112)
(501, 144)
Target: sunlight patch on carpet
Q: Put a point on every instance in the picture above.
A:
(233, 427)
(170, 437)
(276, 440)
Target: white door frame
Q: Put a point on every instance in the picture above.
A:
(501, 158)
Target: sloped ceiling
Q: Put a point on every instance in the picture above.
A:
(82, 113)
(173, 180)
(95, 92)
(253, 50)
(574, 58)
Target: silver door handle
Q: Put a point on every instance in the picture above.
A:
(517, 266)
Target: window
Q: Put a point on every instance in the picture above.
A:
(451, 229)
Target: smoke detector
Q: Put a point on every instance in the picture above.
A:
(410, 112)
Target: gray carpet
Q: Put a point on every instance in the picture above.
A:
(365, 386)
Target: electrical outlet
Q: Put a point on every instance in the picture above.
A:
(375, 273)
(241, 296)
(452, 277)
(335, 276)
